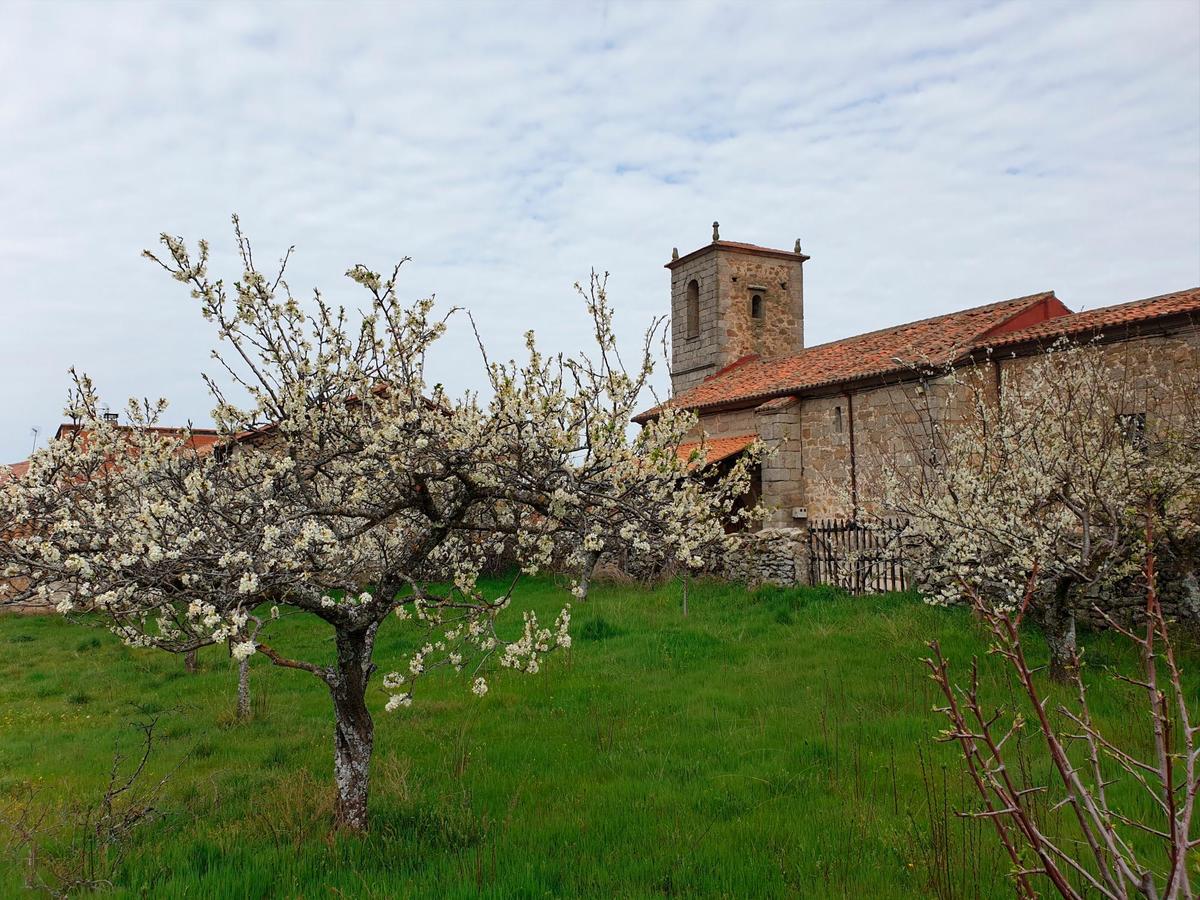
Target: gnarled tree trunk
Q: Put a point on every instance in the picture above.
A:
(353, 730)
(1058, 622)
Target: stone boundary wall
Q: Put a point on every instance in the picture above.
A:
(772, 556)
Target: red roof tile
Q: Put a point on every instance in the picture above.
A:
(202, 441)
(15, 470)
(936, 341)
(1107, 318)
(718, 448)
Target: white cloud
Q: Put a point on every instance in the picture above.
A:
(931, 156)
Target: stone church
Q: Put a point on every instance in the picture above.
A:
(739, 361)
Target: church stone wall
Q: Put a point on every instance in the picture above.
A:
(694, 358)
(780, 424)
(780, 284)
(825, 453)
(1160, 373)
(725, 424)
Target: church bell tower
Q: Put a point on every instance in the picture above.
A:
(730, 300)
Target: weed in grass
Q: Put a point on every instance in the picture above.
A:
(278, 757)
(298, 812)
(79, 698)
(88, 644)
(784, 602)
(204, 749)
(598, 629)
(21, 639)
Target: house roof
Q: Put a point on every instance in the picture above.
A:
(718, 448)
(202, 440)
(936, 341)
(14, 470)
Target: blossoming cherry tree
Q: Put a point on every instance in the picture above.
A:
(349, 488)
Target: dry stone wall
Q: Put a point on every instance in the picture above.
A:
(772, 556)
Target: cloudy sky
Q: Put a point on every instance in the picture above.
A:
(931, 156)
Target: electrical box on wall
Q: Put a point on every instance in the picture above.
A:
(799, 512)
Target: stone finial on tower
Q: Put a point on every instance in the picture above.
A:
(716, 232)
(674, 253)
(798, 250)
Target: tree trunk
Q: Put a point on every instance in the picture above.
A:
(354, 731)
(589, 566)
(1058, 622)
(189, 662)
(243, 690)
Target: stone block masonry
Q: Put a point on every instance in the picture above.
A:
(731, 300)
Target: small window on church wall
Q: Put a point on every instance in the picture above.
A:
(837, 419)
(693, 308)
(756, 306)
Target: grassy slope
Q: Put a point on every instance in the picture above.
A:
(758, 747)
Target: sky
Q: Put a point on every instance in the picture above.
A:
(931, 156)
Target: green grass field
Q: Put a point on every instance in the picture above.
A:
(769, 744)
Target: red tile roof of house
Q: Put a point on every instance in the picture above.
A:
(202, 440)
(15, 470)
(718, 448)
(936, 341)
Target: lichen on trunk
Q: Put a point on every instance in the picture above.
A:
(354, 729)
(243, 689)
(1058, 623)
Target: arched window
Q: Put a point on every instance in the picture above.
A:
(693, 309)
(756, 306)
(837, 419)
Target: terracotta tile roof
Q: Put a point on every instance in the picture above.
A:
(202, 441)
(1108, 318)
(14, 470)
(718, 448)
(778, 403)
(935, 341)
